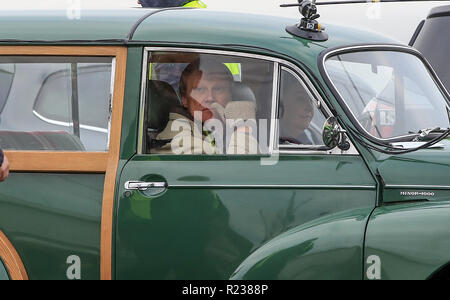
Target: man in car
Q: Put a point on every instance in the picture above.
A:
(296, 114)
(4, 166)
(208, 114)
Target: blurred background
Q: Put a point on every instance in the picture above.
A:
(395, 20)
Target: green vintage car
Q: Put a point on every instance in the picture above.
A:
(349, 179)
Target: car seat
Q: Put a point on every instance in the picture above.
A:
(161, 98)
(242, 92)
(40, 141)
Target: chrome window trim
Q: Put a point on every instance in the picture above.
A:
(111, 99)
(298, 150)
(145, 66)
(274, 120)
(381, 47)
(275, 98)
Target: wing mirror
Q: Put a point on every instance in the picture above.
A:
(333, 135)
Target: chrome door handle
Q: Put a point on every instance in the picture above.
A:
(143, 186)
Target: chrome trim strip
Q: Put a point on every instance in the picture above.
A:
(143, 186)
(383, 47)
(299, 73)
(111, 100)
(280, 186)
(398, 186)
(307, 151)
(68, 124)
(273, 114)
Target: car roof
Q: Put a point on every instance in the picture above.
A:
(61, 25)
(439, 11)
(172, 27)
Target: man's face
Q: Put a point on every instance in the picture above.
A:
(300, 114)
(205, 89)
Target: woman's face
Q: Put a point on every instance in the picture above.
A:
(203, 91)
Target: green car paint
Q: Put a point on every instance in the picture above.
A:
(131, 103)
(108, 26)
(304, 252)
(310, 216)
(411, 240)
(54, 217)
(3, 272)
(227, 220)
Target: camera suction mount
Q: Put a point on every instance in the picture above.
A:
(308, 28)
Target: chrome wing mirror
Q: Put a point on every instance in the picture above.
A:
(334, 136)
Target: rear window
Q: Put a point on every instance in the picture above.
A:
(6, 78)
(55, 103)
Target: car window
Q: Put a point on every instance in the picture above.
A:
(56, 103)
(300, 121)
(207, 104)
(6, 78)
(406, 98)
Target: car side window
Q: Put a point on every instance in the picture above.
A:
(55, 103)
(300, 120)
(6, 77)
(207, 104)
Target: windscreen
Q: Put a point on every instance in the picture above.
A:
(389, 93)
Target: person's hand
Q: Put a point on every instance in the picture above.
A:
(241, 111)
(218, 111)
(4, 169)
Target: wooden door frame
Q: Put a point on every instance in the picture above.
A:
(11, 258)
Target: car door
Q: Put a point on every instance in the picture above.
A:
(200, 216)
(55, 128)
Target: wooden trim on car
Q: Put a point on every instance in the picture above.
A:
(12, 260)
(111, 167)
(43, 161)
(60, 50)
(82, 162)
